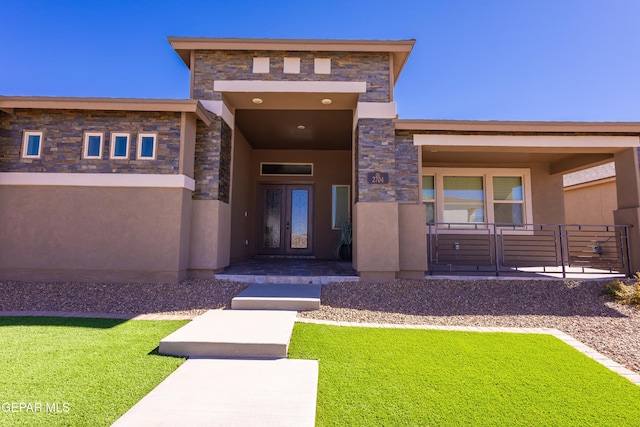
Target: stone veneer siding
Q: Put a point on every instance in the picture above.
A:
(63, 139)
(375, 153)
(212, 167)
(372, 67)
(408, 169)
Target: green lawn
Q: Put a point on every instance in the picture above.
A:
(78, 372)
(404, 377)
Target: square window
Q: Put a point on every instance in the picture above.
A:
(32, 145)
(507, 188)
(463, 199)
(508, 213)
(322, 65)
(261, 65)
(92, 145)
(291, 65)
(119, 145)
(146, 146)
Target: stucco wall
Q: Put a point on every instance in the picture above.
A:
(88, 233)
(242, 200)
(547, 192)
(62, 143)
(591, 204)
(371, 67)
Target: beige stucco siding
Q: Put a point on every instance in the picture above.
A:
(591, 204)
(89, 233)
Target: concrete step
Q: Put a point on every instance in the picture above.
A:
(278, 297)
(292, 280)
(233, 333)
(225, 392)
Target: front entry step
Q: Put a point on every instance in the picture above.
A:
(278, 297)
(233, 333)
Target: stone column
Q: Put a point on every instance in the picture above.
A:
(628, 192)
(389, 221)
(211, 212)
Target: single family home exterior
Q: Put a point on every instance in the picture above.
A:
(281, 144)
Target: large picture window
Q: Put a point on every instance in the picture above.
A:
(476, 196)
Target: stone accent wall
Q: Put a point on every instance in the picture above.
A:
(376, 153)
(408, 169)
(371, 67)
(212, 167)
(380, 149)
(225, 162)
(62, 143)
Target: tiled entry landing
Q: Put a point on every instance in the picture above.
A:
(287, 270)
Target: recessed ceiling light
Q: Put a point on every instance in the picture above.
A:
(257, 100)
(326, 101)
(301, 127)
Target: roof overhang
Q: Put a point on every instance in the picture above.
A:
(10, 103)
(399, 49)
(565, 146)
(492, 127)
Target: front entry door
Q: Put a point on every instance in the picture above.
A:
(285, 225)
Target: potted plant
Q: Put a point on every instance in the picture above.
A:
(344, 244)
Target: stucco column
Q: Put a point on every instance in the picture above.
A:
(628, 191)
(376, 241)
(412, 241)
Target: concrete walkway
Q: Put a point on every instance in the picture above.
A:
(228, 392)
(237, 373)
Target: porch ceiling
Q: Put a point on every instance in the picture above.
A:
(279, 129)
(561, 160)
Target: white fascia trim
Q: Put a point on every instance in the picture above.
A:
(266, 86)
(97, 180)
(528, 141)
(376, 110)
(219, 108)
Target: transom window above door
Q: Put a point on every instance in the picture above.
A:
(476, 196)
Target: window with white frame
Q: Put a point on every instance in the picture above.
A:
(31, 145)
(429, 197)
(341, 206)
(92, 145)
(119, 145)
(476, 196)
(146, 146)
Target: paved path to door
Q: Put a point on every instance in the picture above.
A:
(237, 373)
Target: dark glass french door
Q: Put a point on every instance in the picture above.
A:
(286, 224)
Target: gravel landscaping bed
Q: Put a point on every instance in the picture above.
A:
(575, 307)
(191, 297)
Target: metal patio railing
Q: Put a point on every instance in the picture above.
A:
(539, 248)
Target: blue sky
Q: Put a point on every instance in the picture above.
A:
(474, 59)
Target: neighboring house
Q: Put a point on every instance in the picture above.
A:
(281, 143)
(590, 195)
